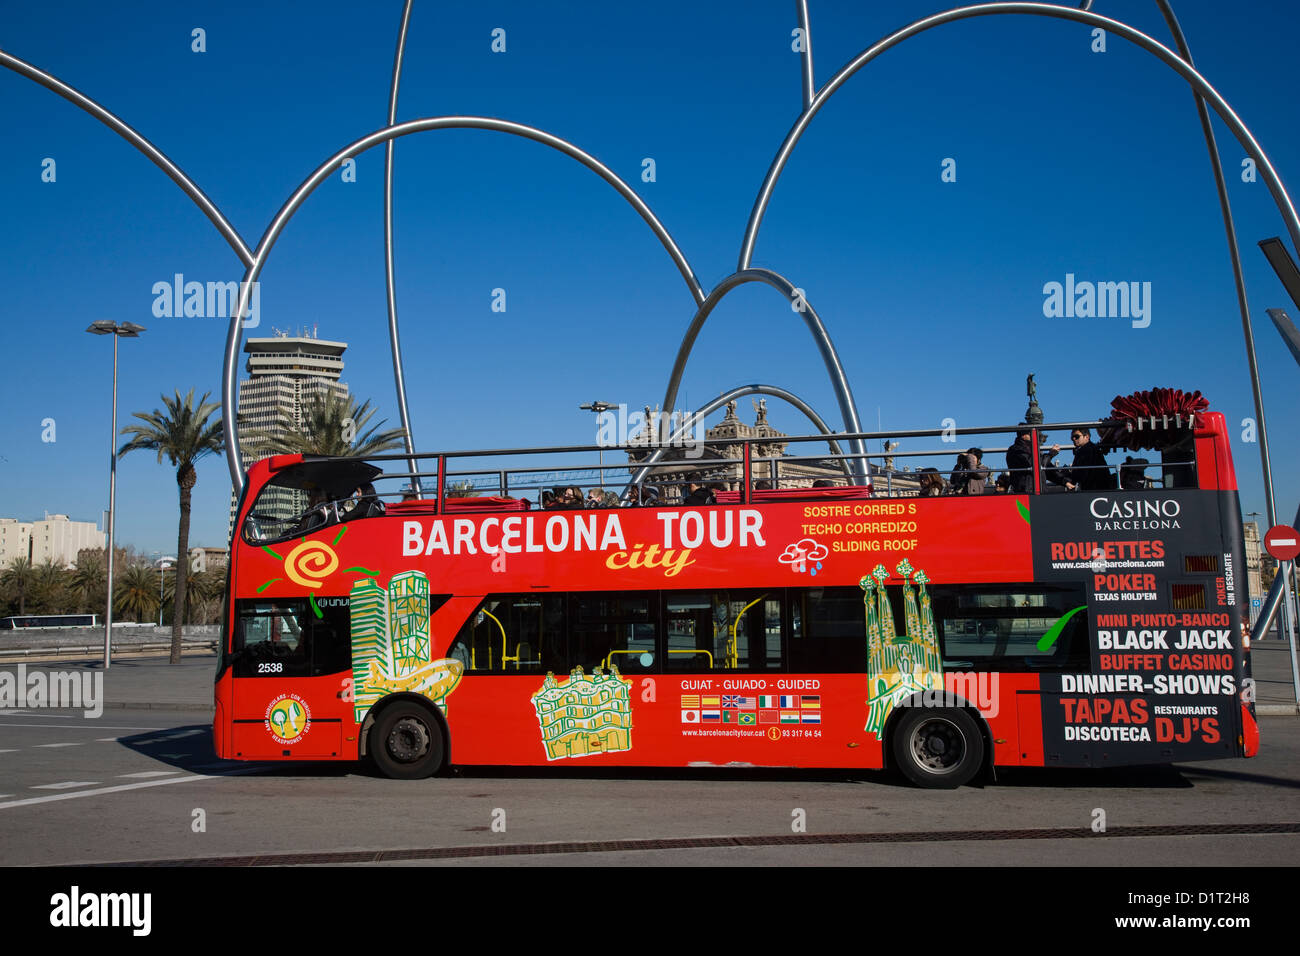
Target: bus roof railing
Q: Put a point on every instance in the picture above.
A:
(651, 445)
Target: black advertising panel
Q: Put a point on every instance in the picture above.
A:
(1165, 595)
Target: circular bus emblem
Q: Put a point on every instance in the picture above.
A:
(288, 718)
(774, 733)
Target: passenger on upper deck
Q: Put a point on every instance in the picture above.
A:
(1089, 471)
(932, 483)
(1020, 461)
(699, 494)
(969, 476)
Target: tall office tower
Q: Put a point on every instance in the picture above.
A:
(285, 375)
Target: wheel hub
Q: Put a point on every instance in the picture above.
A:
(938, 746)
(409, 740)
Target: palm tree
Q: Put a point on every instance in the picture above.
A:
(52, 587)
(184, 434)
(135, 594)
(200, 588)
(89, 579)
(332, 425)
(21, 577)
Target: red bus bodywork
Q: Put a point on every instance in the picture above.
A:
(1158, 680)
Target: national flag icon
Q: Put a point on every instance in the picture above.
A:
(810, 702)
(748, 718)
(748, 703)
(789, 716)
(711, 716)
(765, 702)
(731, 702)
(690, 716)
(810, 716)
(711, 701)
(787, 701)
(690, 700)
(767, 717)
(730, 716)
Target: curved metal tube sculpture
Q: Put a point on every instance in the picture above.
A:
(394, 340)
(154, 154)
(727, 396)
(229, 402)
(839, 381)
(1171, 59)
(1234, 254)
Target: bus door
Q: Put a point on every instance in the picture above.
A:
(289, 662)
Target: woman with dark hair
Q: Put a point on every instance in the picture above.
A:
(932, 483)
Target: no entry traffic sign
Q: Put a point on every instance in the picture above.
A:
(1283, 542)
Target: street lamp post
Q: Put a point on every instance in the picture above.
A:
(163, 565)
(128, 330)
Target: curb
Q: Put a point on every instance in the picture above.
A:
(158, 705)
(1277, 710)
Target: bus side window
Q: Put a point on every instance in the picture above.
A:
(829, 631)
(613, 629)
(513, 634)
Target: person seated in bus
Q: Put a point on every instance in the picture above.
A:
(1004, 484)
(699, 494)
(571, 500)
(763, 485)
(1089, 471)
(364, 503)
(932, 483)
(970, 475)
(1020, 462)
(1133, 474)
(823, 483)
(319, 513)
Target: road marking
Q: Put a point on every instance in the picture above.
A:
(131, 786)
(27, 713)
(56, 745)
(66, 786)
(184, 733)
(8, 751)
(96, 727)
(152, 773)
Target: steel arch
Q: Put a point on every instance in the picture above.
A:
(229, 404)
(390, 282)
(1137, 37)
(152, 152)
(839, 381)
(727, 396)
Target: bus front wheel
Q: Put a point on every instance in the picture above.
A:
(940, 749)
(406, 742)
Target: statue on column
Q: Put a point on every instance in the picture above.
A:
(1033, 414)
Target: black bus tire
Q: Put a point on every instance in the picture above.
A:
(406, 742)
(937, 748)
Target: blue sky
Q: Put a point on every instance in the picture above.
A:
(1067, 161)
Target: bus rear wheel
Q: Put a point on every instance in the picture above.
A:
(938, 749)
(406, 742)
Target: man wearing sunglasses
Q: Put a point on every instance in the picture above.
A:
(1089, 471)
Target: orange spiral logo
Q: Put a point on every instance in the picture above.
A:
(311, 563)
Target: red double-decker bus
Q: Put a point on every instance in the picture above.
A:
(760, 623)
